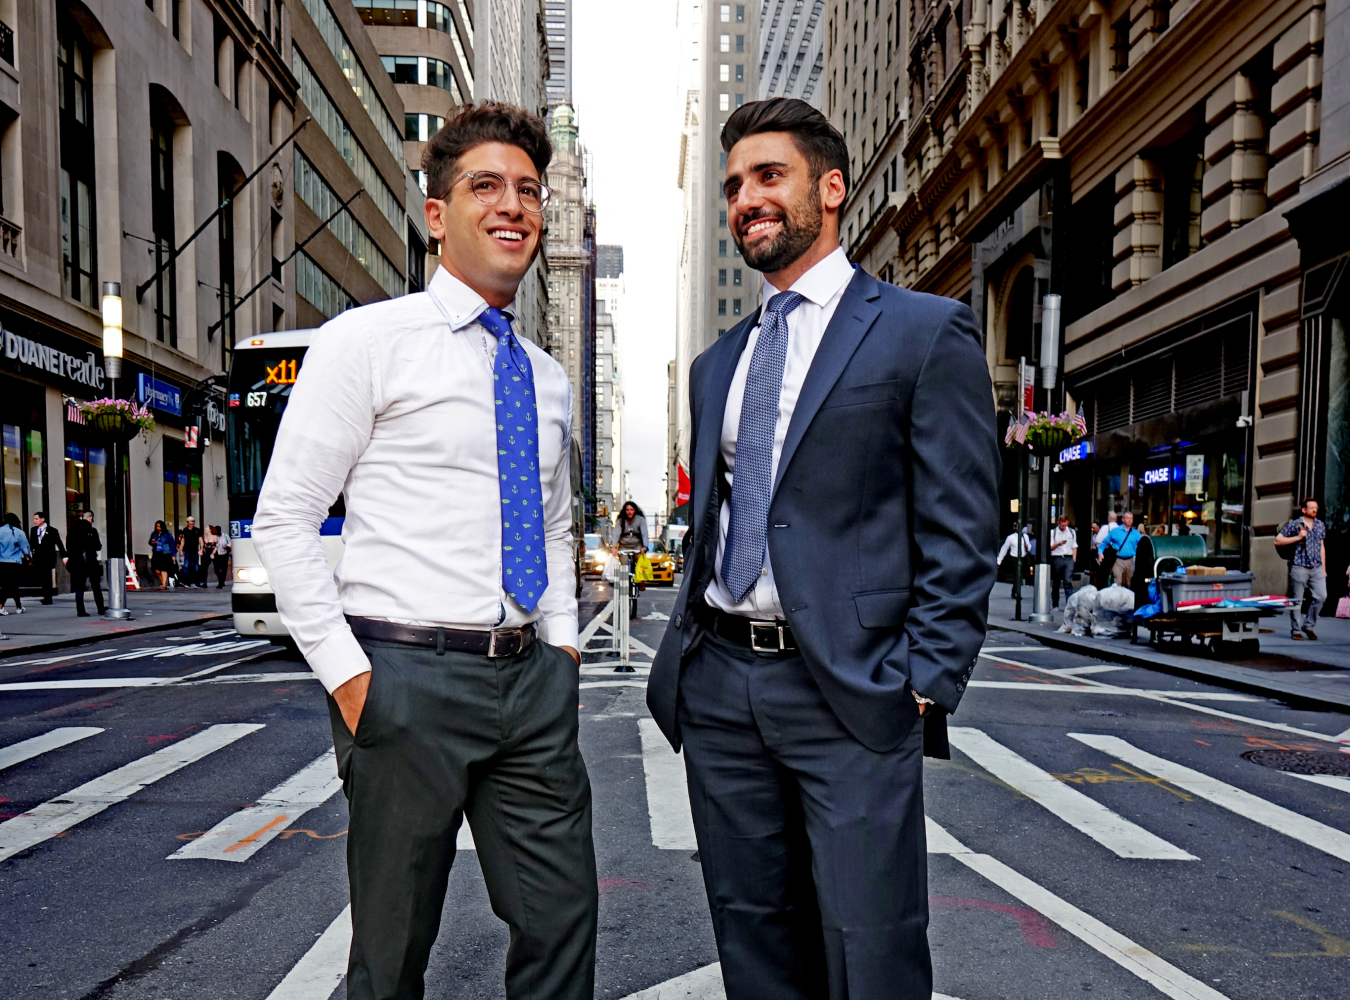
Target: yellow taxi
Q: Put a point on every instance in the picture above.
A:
(663, 563)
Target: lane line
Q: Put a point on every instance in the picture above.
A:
(1174, 698)
(1133, 957)
(208, 671)
(1096, 668)
(588, 632)
(91, 684)
(1329, 780)
(58, 815)
(17, 753)
(1108, 828)
(612, 684)
(321, 970)
(701, 984)
(240, 836)
(1127, 692)
(290, 675)
(55, 659)
(603, 671)
(672, 822)
(1245, 804)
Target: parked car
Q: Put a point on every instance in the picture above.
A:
(593, 559)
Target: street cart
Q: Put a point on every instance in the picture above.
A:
(1191, 607)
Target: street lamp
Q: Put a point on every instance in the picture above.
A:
(117, 536)
(1042, 614)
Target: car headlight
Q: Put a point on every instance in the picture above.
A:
(255, 575)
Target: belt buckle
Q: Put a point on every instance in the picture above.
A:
(505, 633)
(777, 633)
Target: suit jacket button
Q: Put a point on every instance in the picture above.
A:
(679, 621)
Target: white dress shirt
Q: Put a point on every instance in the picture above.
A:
(1102, 532)
(1063, 541)
(1010, 546)
(821, 289)
(394, 409)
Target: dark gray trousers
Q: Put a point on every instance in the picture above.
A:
(442, 737)
(813, 847)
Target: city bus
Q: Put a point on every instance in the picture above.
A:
(261, 376)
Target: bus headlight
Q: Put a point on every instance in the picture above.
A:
(255, 575)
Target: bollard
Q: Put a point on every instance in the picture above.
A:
(1042, 614)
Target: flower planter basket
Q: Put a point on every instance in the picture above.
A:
(116, 419)
(1048, 440)
(113, 426)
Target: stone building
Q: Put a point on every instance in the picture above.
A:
(792, 51)
(609, 473)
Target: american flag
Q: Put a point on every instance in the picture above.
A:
(1020, 428)
(1080, 423)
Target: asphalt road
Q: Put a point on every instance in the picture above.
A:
(1099, 832)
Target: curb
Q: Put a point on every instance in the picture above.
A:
(82, 640)
(1237, 678)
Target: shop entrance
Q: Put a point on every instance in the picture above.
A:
(22, 432)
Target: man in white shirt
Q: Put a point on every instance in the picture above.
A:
(451, 668)
(844, 466)
(1063, 555)
(1010, 550)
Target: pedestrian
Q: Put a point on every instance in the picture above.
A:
(1092, 543)
(190, 548)
(162, 547)
(47, 547)
(439, 402)
(1118, 555)
(845, 475)
(83, 548)
(15, 550)
(1063, 556)
(1009, 549)
(629, 541)
(1307, 569)
(221, 557)
(1101, 572)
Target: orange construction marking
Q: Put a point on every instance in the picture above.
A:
(254, 835)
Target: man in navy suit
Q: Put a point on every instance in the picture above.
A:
(837, 576)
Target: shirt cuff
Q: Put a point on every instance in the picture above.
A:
(338, 659)
(921, 699)
(561, 630)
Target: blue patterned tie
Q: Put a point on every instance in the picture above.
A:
(524, 563)
(752, 479)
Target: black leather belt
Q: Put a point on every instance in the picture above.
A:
(497, 642)
(772, 635)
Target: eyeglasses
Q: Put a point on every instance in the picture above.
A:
(489, 188)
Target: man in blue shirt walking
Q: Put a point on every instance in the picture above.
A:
(1307, 569)
(1124, 539)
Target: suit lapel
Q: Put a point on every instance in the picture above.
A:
(853, 317)
(715, 402)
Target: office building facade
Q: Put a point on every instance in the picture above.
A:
(610, 483)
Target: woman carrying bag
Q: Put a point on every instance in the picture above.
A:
(14, 552)
(162, 546)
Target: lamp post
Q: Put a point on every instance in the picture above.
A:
(1042, 614)
(117, 534)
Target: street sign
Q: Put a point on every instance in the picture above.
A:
(1195, 473)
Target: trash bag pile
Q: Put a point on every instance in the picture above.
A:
(1078, 611)
(1112, 612)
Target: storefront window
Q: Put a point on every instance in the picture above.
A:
(1335, 509)
(86, 481)
(14, 468)
(182, 486)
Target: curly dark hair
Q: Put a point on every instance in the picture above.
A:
(819, 141)
(475, 124)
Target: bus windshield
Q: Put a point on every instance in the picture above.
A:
(259, 388)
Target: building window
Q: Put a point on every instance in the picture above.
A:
(724, 73)
(721, 307)
(321, 291)
(722, 275)
(725, 13)
(740, 13)
(74, 66)
(735, 307)
(420, 128)
(740, 72)
(740, 99)
(724, 102)
(721, 331)
(724, 43)
(721, 248)
(722, 219)
(417, 260)
(736, 277)
(162, 224)
(740, 43)
(228, 183)
(722, 159)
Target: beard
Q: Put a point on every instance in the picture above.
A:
(800, 228)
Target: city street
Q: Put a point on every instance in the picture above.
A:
(173, 828)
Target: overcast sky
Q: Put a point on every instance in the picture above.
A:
(624, 88)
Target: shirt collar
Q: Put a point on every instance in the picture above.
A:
(462, 303)
(822, 283)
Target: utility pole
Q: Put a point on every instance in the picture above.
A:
(1042, 615)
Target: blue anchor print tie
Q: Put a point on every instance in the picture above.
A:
(752, 478)
(524, 563)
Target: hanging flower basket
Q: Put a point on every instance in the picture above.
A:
(117, 419)
(1046, 433)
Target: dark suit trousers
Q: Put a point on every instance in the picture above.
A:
(80, 573)
(813, 846)
(441, 737)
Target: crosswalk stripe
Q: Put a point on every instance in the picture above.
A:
(77, 805)
(317, 975)
(17, 753)
(1111, 830)
(242, 835)
(1108, 691)
(1329, 780)
(1128, 954)
(589, 631)
(1258, 810)
(701, 984)
(667, 791)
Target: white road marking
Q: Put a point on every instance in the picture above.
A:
(612, 684)
(701, 984)
(1245, 804)
(1126, 692)
(588, 632)
(242, 835)
(1111, 830)
(289, 675)
(17, 753)
(1330, 780)
(464, 839)
(90, 684)
(191, 649)
(1134, 957)
(1096, 668)
(1342, 737)
(57, 815)
(54, 659)
(1174, 698)
(667, 791)
(218, 667)
(320, 971)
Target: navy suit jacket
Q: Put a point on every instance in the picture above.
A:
(883, 526)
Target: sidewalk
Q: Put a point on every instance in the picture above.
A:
(55, 626)
(1305, 672)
